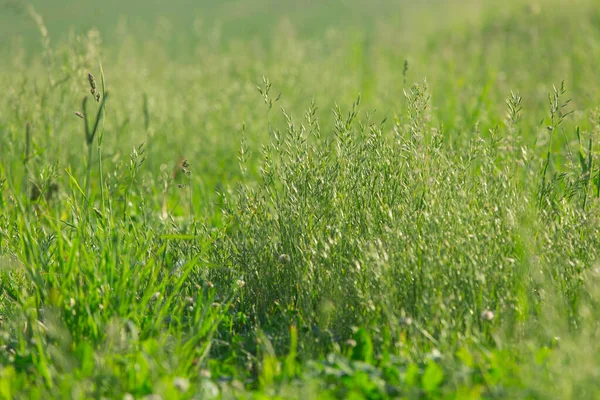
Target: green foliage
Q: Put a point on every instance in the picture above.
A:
(210, 238)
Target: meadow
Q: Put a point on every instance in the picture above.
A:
(276, 199)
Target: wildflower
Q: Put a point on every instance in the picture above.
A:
(240, 283)
(205, 373)
(177, 269)
(487, 315)
(435, 355)
(183, 384)
(152, 397)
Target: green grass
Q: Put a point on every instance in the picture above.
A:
(343, 200)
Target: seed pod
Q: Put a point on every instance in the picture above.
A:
(93, 90)
(92, 83)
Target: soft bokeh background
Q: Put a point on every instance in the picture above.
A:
(432, 206)
(211, 55)
(199, 62)
(233, 18)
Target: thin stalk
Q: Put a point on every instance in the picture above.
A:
(89, 138)
(88, 175)
(100, 137)
(26, 156)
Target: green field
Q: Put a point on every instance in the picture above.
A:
(299, 199)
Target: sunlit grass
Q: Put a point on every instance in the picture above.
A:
(390, 211)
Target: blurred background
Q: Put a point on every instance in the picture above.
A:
(187, 71)
(188, 19)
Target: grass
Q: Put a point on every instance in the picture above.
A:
(348, 209)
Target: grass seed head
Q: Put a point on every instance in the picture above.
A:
(93, 90)
(92, 81)
(185, 167)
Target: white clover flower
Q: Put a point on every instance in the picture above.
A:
(182, 384)
(487, 315)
